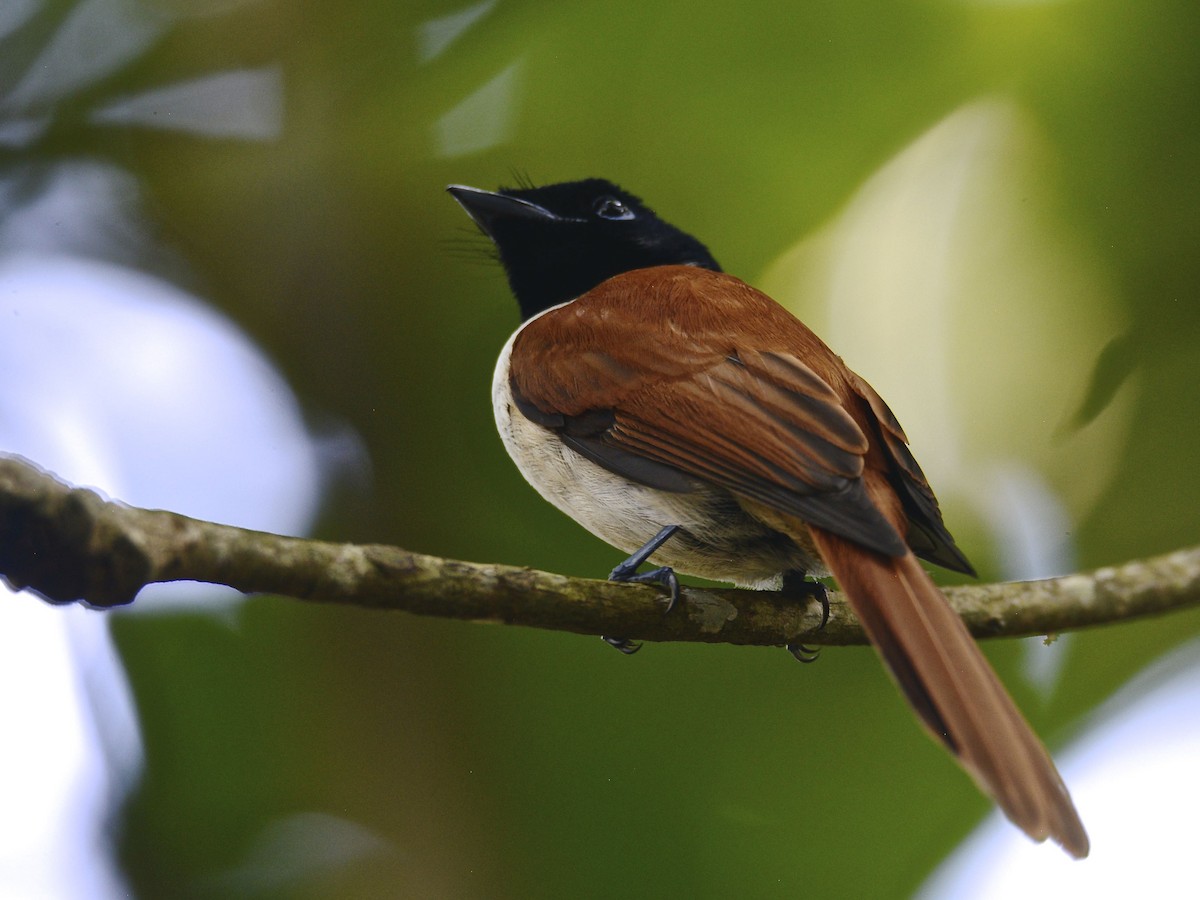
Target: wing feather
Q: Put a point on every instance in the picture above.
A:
(763, 410)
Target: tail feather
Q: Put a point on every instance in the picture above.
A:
(956, 694)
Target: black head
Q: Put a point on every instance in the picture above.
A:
(561, 240)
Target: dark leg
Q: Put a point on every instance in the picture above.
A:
(664, 575)
(796, 583)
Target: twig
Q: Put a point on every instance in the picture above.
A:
(70, 545)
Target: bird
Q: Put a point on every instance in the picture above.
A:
(683, 416)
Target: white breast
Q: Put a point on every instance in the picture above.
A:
(718, 541)
(613, 508)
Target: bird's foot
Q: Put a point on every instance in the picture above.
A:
(664, 575)
(803, 653)
(796, 583)
(625, 645)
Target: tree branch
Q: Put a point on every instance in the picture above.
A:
(70, 545)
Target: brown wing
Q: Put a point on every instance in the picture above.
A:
(926, 533)
(704, 377)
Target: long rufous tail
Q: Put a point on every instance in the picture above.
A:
(950, 684)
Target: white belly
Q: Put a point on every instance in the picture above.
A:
(718, 539)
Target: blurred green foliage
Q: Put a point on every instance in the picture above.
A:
(495, 762)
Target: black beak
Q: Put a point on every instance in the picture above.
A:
(486, 208)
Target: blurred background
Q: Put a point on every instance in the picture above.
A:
(231, 285)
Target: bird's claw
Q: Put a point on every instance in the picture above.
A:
(625, 645)
(627, 571)
(663, 575)
(803, 653)
(795, 582)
